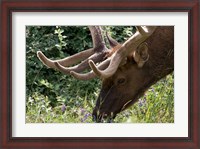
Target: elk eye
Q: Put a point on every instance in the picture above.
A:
(121, 81)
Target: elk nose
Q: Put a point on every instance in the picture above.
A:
(105, 118)
(102, 118)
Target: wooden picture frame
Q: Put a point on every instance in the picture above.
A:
(9, 6)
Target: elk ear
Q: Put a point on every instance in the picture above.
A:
(141, 55)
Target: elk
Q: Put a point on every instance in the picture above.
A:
(127, 70)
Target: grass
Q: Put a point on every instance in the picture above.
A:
(75, 101)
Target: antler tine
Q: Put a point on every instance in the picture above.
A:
(111, 69)
(97, 38)
(65, 61)
(85, 76)
(131, 44)
(82, 66)
(111, 41)
(91, 74)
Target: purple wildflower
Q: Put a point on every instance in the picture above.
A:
(153, 90)
(82, 111)
(63, 108)
(85, 117)
(142, 102)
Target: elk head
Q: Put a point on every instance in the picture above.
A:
(126, 70)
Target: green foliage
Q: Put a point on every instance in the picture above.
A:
(52, 97)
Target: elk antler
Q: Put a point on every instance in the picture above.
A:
(126, 49)
(113, 43)
(96, 54)
(91, 74)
